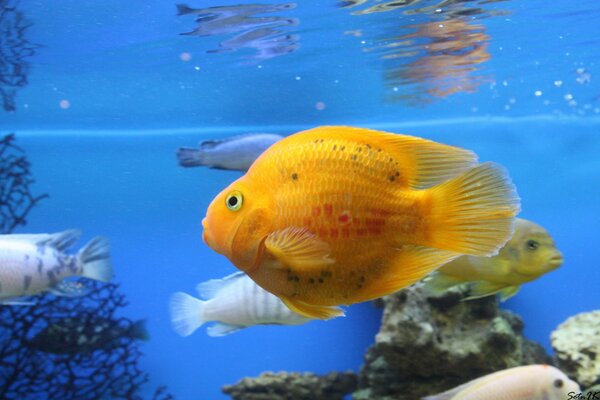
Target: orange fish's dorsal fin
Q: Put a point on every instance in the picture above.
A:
(421, 162)
(473, 213)
(297, 247)
(406, 266)
(312, 311)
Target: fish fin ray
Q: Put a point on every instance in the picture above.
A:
(69, 288)
(95, 260)
(190, 157)
(310, 310)
(298, 248)
(63, 240)
(437, 282)
(509, 292)
(222, 329)
(423, 163)
(209, 289)
(473, 213)
(408, 265)
(480, 289)
(187, 313)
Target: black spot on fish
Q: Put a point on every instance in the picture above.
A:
(359, 149)
(311, 280)
(392, 178)
(26, 282)
(353, 157)
(321, 280)
(342, 148)
(362, 279)
(359, 286)
(296, 279)
(334, 147)
(40, 266)
(295, 176)
(368, 145)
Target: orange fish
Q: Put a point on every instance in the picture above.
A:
(339, 215)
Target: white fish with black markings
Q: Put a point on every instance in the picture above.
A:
(34, 263)
(234, 153)
(234, 302)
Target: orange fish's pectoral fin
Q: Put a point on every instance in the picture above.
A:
(407, 265)
(298, 248)
(312, 311)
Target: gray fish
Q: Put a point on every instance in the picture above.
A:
(243, 9)
(34, 263)
(235, 153)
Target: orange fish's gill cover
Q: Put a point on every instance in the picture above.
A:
(339, 215)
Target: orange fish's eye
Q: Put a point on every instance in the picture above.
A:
(234, 200)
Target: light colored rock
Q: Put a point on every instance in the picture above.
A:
(576, 343)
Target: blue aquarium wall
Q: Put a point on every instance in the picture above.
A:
(129, 188)
(113, 88)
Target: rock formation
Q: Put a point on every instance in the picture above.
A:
(293, 386)
(576, 343)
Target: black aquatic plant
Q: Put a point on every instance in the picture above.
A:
(14, 48)
(106, 373)
(16, 199)
(28, 373)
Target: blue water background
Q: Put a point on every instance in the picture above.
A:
(108, 161)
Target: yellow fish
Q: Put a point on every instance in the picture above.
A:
(528, 255)
(530, 382)
(339, 215)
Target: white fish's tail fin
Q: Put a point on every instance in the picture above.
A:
(187, 313)
(95, 261)
(473, 213)
(190, 157)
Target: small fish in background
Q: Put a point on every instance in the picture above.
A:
(234, 153)
(85, 334)
(34, 263)
(530, 382)
(338, 215)
(529, 254)
(234, 302)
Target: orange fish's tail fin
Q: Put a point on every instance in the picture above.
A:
(474, 213)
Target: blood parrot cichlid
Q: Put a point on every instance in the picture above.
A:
(339, 215)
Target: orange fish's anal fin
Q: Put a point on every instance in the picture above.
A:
(298, 248)
(408, 265)
(312, 311)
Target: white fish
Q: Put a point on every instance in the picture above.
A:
(530, 382)
(234, 302)
(236, 153)
(34, 263)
